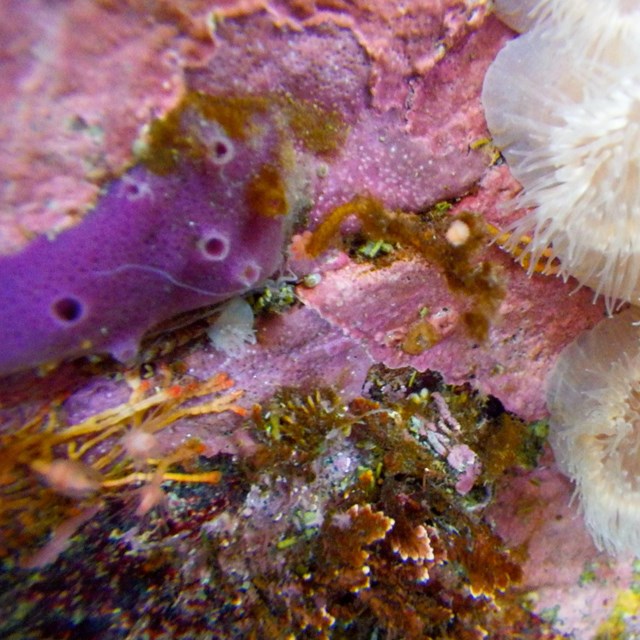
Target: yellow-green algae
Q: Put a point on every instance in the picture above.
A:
(481, 282)
(317, 130)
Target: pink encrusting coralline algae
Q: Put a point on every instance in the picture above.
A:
(192, 165)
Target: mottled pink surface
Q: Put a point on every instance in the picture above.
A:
(78, 80)
(563, 568)
(296, 349)
(293, 350)
(407, 78)
(539, 316)
(403, 41)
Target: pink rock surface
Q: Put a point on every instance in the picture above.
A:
(78, 80)
(298, 349)
(402, 40)
(564, 572)
(406, 77)
(539, 316)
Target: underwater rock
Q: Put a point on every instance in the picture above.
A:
(405, 80)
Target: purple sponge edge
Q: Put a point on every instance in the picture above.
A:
(154, 246)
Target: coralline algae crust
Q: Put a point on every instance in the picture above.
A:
(201, 219)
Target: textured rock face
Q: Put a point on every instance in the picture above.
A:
(193, 225)
(352, 99)
(78, 81)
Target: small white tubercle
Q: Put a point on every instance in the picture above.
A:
(233, 329)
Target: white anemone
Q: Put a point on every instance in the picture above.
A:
(565, 111)
(593, 394)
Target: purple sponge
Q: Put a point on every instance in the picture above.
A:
(201, 219)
